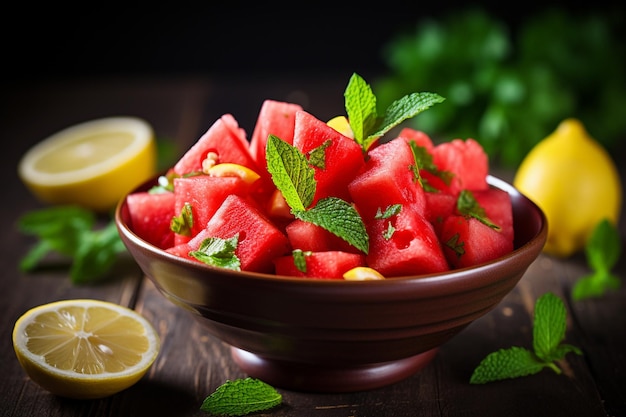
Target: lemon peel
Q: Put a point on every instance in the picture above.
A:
(573, 179)
(91, 164)
(84, 349)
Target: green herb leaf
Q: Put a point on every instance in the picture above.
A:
(360, 103)
(299, 259)
(390, 211)
(183, 223)
(424, 160)
(468, 206)
(71, 231)
(291, 173)
(317, 156)
(340, 218)
(603, 249)
(219, 252)
(241, 397)
(549, 325)
(508, 363)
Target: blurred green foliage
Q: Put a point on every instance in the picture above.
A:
(509, 90)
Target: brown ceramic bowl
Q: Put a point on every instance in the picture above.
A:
(335, 335)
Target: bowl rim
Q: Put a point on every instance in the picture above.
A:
(451, 276)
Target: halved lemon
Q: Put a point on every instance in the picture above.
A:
(84, 349)
(92, 164)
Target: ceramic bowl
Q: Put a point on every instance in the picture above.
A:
(334, 335)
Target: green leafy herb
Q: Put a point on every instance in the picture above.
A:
(549, 327)
(219, 252)
(294, 177)
(468, 206)
(241, 397)
(390, 211)
(317, 156)
(602, 250)
(365, 122)
(456, 245)
(299, 259)
(183, 223)
(71, 232)
(424, 160)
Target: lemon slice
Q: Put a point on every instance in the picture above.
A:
(92, 164)
(84, 349)
(362, 273)
(233, 170)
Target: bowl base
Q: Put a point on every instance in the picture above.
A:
(329, 379)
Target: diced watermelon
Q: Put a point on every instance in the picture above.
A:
(439, 205)
(310, 237)
(404, 244)
(277, 118)
(498, 208)
(205, 194)
(259, 240)
(467, 242)
(321, 265)
(387, 179)
(343, 156)
(467, 160)
(419, 137)
(226, 139)
(150, 217)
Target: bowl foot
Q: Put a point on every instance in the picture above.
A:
(320, 378)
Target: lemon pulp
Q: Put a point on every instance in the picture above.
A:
(93, 164)
(84, 348)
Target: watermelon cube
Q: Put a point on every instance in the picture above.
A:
(259, 240)
(310, 237)
(343, 156)
(150, 217)
(404, 244)
(467, 242)
(205, 194)
(387, 179)
(224, 138)
(467, 160)
(498, 208)
(321, 265)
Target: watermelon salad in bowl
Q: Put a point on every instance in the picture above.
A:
(329, 257)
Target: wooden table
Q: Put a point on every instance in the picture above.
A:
(192, 363)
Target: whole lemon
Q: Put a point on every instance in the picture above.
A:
(573, 179)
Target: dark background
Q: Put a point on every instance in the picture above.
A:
(93, 39)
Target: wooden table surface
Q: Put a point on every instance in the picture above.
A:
(192, 363)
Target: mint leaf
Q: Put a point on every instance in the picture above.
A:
(71, 231)
(390, 211)
(506, 364)
(317, 156)
(424, 160)
(241, 397)
(549, 325)
(218, 252)
(291, 173)
(340, 218)
(603, 249)
(405, 108)
(360, 103)
(299, 259)
(183, 223)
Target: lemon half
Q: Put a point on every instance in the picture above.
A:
(84, 349)
(92, 164)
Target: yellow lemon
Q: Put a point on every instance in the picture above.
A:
(362, 273)
(84, 348)
(92, 164)
(341, 125)
(233, 170)
(575, 182)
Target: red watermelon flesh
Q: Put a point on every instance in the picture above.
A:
(343, 157)
(310, 237)
(439, 205)
(420, 138)
(321, 265)
(259, 240)
(225, 138)
(412, 249)
(150, 217)
(467, 160)
(386, 180)
(467, 242)
(498, 208)
(205, 194)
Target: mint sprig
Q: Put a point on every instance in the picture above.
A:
(549, 325)
(71, 232)
(241, 397)
(366, 123)
(467, 205)
(602, 251)
(295, 178)
(218, 252)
